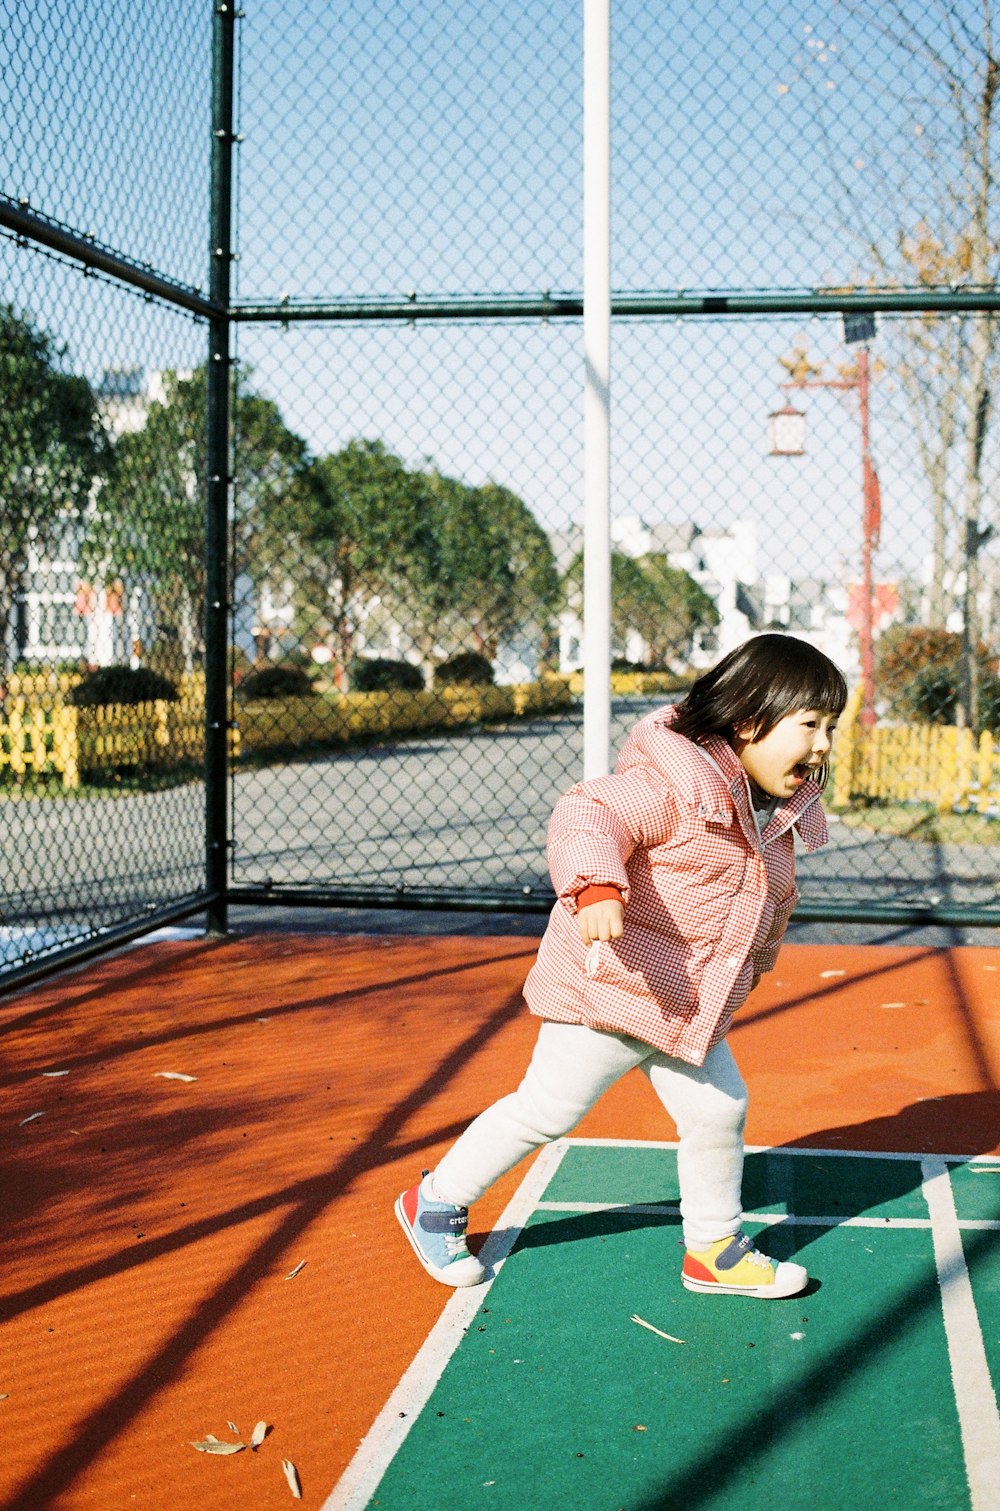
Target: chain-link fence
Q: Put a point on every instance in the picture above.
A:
(105, 159)
(803, 436)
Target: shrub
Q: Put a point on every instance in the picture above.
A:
(276, 681)
(468, 668)
(919, 672)
(374, 675)
(121, 684)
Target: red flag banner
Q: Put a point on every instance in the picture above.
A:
(873, 502)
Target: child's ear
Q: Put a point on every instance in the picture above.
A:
(745, 733)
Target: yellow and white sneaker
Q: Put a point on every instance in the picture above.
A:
(732, 1266)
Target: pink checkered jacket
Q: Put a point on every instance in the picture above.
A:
(707, 899)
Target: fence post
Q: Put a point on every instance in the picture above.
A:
(965, 754)
(217, 466)
(845, 749)
(15, 724)
(984, 771)
(65, 744)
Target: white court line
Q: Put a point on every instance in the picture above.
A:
(769, 1219)
(978, 1418)
(796, 1151)
(387, 1433)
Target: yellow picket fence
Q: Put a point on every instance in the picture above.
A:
(40, 731)
(915, 763)
(44, 733)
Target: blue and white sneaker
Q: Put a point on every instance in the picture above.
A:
(437, 1232)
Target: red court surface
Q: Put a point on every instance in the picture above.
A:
(151, 1223)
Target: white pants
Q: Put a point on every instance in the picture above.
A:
(571, 1067)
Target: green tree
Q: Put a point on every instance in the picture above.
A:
(498, 573)
(676, 608)
(366, 532)
(650, 598)
(424, 554)
(149, 525)
(51, 446)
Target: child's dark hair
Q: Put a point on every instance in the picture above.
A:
(758, 683)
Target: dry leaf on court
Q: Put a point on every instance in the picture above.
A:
(259, 1434)
(826, 975)
(292, 1273)
(292, 1476)
(173, 1075)
(54, 1074)
(30, 1118)
(212, 1445)
(892, 1004)
(233, 1428)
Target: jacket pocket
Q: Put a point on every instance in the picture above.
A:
(641, 964)
(782, 913)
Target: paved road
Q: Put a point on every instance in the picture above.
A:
(466, 811)
(472, 811)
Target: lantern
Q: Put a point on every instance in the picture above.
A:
(786, 432)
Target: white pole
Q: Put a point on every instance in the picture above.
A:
(597, 390)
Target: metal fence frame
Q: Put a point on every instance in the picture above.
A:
(223, 315)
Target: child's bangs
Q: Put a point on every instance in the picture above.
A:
(818, 686)
(786, 676)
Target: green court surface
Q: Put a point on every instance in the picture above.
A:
(875, 1388)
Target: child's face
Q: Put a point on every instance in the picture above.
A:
(793, 751)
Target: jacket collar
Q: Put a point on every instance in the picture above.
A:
(803, 809)
(702, 773)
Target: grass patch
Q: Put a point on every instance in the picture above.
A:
(922, 822)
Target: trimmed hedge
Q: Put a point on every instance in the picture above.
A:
(375, 675)
(275, 681)
(468, 668)
(121, 685)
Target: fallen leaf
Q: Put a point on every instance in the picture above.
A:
(5, 1398)
(233, 1428)
(212, 1445)
(638, 1427)
(259, 1434)
(292, 1273)
(262, 1020)
(826, 975)
(30, 1118)
(53, 1074)
(892, 1004)
(292, 1476)
(173, 1075)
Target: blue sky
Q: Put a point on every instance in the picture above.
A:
(437, 146)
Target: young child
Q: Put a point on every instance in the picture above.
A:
(675, 880)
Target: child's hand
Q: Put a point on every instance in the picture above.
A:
(601, 920)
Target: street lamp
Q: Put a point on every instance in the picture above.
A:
(786, 435)
(786, 431)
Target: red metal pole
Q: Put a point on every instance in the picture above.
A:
(867, 634)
